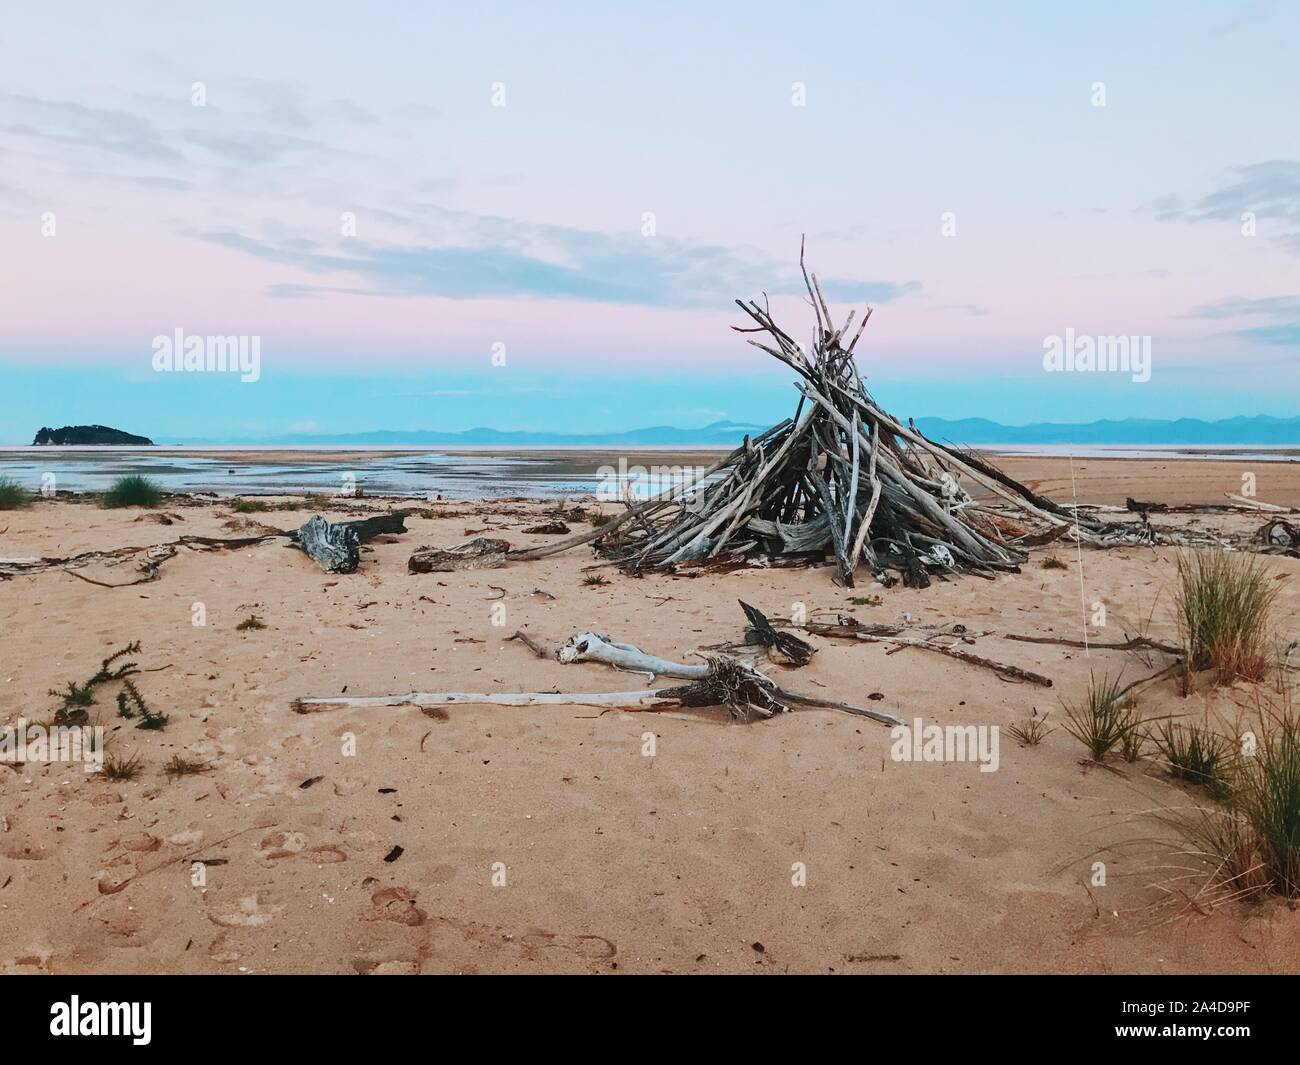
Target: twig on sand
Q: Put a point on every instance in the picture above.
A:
(531, 644)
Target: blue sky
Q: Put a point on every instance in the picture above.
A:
(500, 167)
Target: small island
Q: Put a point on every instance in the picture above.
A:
(93, 435)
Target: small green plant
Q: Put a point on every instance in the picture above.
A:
(249, 506)
(13, 495)
(865, 600)
(1134, 741)
(76, 695)
(1052, 562)
(133, 490)
(1223, 601)
(118, 768)
(178, 766)
(1104, 720)
(313, 502)
(131, 705)
(1032, 732)
(1199, 755)
(250, 623)
(595, 580)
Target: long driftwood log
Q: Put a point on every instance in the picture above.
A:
(746, 694)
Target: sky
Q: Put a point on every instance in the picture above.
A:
(537, 217)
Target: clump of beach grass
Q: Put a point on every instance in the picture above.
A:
(250, 506)
(118, 768)
(179, 766)
(133, 490)
(1223, 600)
(13, 495)
(1251, 840)
(1268, 797)
(1104, 720)
(1032, 732)
(250, 623)
(595, 580)
(1199, 755)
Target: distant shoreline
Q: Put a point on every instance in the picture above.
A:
(342, 452)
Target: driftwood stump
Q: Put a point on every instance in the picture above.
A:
(335, 548)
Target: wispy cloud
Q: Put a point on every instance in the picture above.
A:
(1281, 315)
(466, 256)
(1270, 191)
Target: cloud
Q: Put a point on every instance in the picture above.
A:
(1281, 313)
(256, 124)
(1268, 190)
(464, 256)
(257, 138)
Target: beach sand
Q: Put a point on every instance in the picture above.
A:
(614, 859)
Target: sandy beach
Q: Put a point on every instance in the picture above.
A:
(547, 839)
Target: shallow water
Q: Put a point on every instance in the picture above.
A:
(427, 474)
(422, 474)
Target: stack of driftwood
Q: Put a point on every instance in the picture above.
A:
(841, 477)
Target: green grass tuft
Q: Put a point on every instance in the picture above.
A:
(1223, 602)
(1200, 756)
(1032, 732)
(1105, 720)
(13, 495)
(133, 490)
(118, 768)
(1251, 841)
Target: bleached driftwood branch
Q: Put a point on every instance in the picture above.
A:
(592, 647)
(728, 682)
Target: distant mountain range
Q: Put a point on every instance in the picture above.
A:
(1259, 430)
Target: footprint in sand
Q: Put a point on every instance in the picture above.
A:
(281, 845)
(593, 948)
(348, 785)
(117, 874)
(141, 842)
(397, 904)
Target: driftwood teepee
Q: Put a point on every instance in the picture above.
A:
(841, 477)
